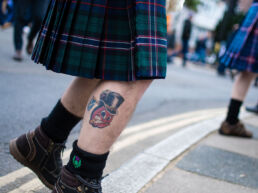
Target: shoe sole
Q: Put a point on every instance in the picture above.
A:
(21, 159)
(17, 59)
(228, 134)
(251, 111)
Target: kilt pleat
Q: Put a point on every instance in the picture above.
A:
(150, 40)
(105, 39)
(66, 36)
(242, 51)
(65, 22)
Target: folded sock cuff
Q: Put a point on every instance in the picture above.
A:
(85, 164)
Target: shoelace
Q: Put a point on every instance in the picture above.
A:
(90, 183)
(62, 149)
(95, 184)
(60, 153)
(104, 176)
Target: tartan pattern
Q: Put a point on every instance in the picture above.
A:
(242, 52)
(105, 39)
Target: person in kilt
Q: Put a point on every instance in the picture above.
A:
(114, 49)
(27, 12)
(187, 30)
(241, 54)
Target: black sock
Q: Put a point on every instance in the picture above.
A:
(59, 123)
(86, 165)
(233, 111)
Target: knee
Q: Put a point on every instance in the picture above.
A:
(138, 88)
(80, 79)
(145, 84)
(138, 85)
(85, 82)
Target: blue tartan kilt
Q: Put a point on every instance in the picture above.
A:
(242, 51)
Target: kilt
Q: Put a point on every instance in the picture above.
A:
(121, 40)
(242, 52)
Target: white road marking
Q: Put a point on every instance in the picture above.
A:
(11, 177)
(28, 187)
(156, 131)
(166, 120)
(129, 136)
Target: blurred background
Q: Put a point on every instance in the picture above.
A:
(213, 24)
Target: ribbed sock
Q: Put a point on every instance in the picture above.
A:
(85, 164)
(59, 123)
(233, 111)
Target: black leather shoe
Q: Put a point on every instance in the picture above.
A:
(39, 153)
(70, 183)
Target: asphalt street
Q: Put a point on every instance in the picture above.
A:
(28, 92)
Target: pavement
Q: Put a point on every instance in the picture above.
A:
(196, 159)
(216, 164)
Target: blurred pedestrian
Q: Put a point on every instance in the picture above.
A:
(187, 29)
(201, 49)
(25, 12)
(171, 38)
(6, 13)
(2, 11)
(241, 54)
(115, 49)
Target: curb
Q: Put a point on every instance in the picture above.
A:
(137, 172)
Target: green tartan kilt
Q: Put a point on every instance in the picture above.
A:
(104, 39)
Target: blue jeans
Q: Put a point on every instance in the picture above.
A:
(26, 11)
(201, 55)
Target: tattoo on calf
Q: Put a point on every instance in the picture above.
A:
(105, 109)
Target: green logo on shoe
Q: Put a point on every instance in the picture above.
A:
(77, 162)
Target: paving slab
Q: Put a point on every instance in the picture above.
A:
(222, 165)
(254, 129)
(180, 181)
(233, 144)
(252, 120)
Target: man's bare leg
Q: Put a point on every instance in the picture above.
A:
(109, 109)
(96, 137)
(241, 85)
(77, 94)
(69, 110)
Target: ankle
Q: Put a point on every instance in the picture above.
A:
(85, 164)
(233, 111)
(59, 123)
